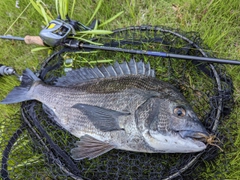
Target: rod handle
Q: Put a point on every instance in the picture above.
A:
(33, 40)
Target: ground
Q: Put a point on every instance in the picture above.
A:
(217, 21)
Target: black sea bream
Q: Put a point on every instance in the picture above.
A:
(121, 106)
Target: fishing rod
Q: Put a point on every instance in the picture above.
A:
(7, 70)
(27, 39)
(161, 54)
(60, 32)
(12, 38)
(77, 44)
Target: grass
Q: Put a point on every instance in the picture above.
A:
(217, 21)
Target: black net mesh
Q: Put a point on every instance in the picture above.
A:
(34, 147)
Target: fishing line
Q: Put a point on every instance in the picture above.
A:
(17, 18)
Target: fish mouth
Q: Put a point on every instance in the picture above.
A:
(200, 136)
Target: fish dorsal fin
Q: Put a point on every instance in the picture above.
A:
(83, 75)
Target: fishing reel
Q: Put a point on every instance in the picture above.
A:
(58, 31)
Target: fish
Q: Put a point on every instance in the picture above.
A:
(121, 106)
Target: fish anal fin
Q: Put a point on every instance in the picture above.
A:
(102, 118)
(89, 147)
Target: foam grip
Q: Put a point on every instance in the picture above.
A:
(33, 40)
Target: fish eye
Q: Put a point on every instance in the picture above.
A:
(179, 111)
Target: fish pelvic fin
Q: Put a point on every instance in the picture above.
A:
(22, 93)
(89, 147)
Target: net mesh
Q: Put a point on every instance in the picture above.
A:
(34, 147)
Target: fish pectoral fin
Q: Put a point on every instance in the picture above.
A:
(102, 118)
(89, 147)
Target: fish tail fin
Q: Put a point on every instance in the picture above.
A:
(23, 92)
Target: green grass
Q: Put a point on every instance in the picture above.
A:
(217, 21)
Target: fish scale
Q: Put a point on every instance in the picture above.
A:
(76, 122)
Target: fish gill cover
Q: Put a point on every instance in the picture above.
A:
(35, 147)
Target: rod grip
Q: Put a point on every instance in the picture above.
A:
(33, 40)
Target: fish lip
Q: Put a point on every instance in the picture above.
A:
(198, 138)
(199, 142)
(191, 145)
(193, 134)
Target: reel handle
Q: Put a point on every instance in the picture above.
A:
(33, 40)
